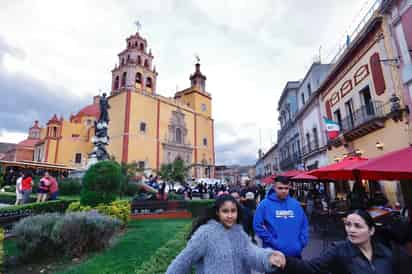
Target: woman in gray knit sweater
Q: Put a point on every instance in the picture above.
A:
(218, 245)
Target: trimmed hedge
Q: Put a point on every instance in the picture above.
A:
(101, 183)
(198, 207)
(161, 259)
(37, 208)
(10, 198)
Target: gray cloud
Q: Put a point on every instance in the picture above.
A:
(25, 99)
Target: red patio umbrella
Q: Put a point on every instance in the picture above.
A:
(305, 177)
(291, 173)
(269, 179)
(396, 165)
(338, 171)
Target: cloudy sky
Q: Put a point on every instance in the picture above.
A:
(55, 55)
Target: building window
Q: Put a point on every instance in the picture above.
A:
(141, 164)
(315, 137)
(138, 77)
(78, 158)
(146, 63)
(303, 98)
(116, 83)
(124, 75)
(309, 90)
(139, 60)
(203, 107)
(308, 142)
(205, 142)
(54, 132)
(143, 127)
(128, 58)
(179, 136)
(149, 82)
(338, 117)
(142, 46)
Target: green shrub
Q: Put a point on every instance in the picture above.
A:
(10, 188)
(101, 183)
(131, 189)
(175, 196)
(10, 198)
(33, 235)
(161, 259)
(198, 207)
(118, 209)
(38, 208)
(70, 186)
(80, 232)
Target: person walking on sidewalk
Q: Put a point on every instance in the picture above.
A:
(218, 245)
(281, 222)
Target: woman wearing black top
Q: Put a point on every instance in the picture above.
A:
(359, 254)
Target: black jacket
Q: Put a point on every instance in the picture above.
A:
(346, 258)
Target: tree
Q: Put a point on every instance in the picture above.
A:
(128, 172)
(174, 172)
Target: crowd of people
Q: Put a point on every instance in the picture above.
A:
(48, 187)
(222, 240)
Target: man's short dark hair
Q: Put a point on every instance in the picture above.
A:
(282, 180)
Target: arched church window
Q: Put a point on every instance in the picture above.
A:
(146, 63)
(138, 77)
(128, 58)
(179, 136)
(149, 82)
(128, 45)
(141, 46)
(124, 75)
(122, 61)
(135, 44)
(139, 60)
(116, 83)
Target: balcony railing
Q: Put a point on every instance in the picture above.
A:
(363, 115)
(310, 147)
(291, 161)
(284, 129)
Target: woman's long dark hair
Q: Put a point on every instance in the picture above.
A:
(365, 216)
(211, 212)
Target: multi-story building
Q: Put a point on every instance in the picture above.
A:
(309, 118)
(398, 15)
(288, 141)
(362, 95)
(145, 128)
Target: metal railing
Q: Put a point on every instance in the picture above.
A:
(366, 113)
(310, 147)
(291, 161)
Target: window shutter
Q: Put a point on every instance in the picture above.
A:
(377, 74)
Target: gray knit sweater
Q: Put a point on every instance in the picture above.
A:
(213, 249)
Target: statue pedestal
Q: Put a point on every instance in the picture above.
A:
(91, 161)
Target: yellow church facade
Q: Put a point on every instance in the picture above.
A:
(145, 127)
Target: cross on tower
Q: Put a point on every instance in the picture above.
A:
(138, 25)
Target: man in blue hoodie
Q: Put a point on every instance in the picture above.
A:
(281, 222)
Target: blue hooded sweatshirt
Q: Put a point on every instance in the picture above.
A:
(281, 224)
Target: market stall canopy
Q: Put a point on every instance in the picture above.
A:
(342, 170)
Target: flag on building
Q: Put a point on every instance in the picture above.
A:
(332, 129)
